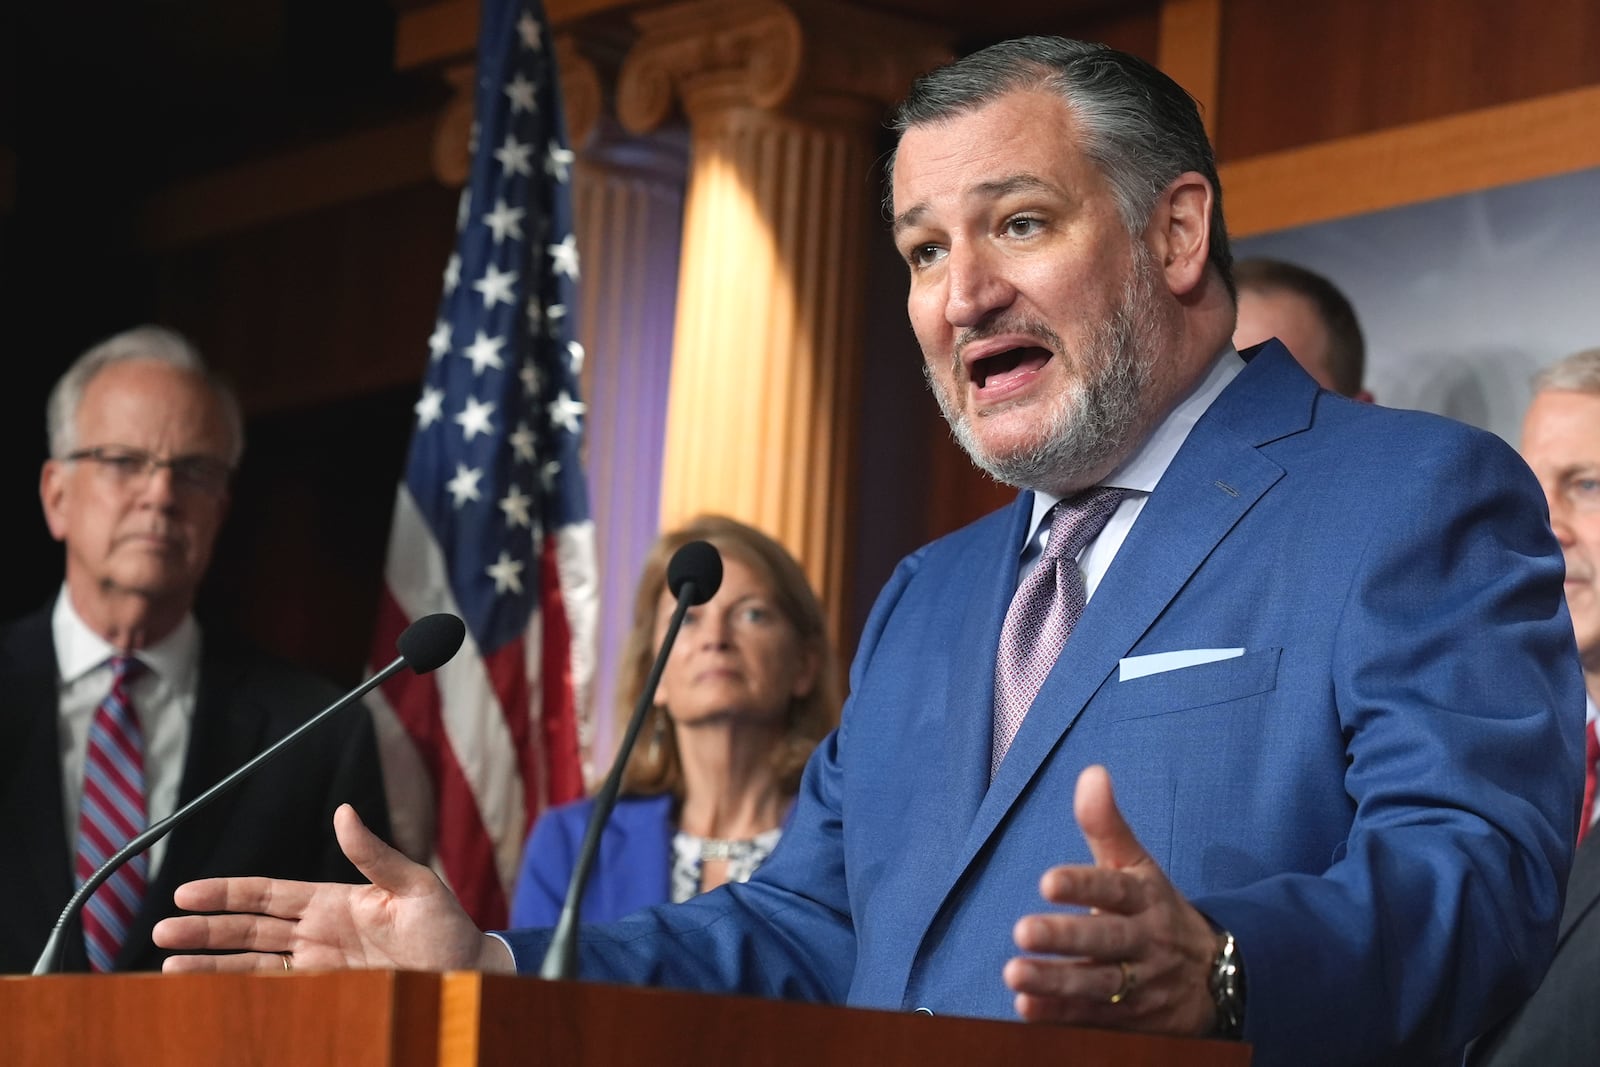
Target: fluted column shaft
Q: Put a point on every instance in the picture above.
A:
(783, 102)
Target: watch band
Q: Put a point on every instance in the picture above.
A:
(1227, 987)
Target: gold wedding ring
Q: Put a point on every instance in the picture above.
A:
(1128, 982)
(288, 964)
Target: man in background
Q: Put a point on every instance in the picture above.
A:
(118, 708)
(1561, 442)
(1309, 314)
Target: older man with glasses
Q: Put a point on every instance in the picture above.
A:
(119, 707)
(1559, 1025)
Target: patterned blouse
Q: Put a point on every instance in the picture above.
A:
(689, 854)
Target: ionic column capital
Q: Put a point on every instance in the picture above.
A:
(817, 58)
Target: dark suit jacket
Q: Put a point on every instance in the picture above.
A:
(279, 822)
(1560, 1025)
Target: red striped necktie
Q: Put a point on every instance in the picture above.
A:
(112, 814)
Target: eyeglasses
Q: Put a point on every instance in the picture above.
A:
(129, 467)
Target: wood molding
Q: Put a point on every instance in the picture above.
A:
(1464, 153)
(1191, 53)
(307, 179)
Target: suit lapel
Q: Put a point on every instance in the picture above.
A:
(1216, 477)
(222, 738)
(969, 729)
(41, 880)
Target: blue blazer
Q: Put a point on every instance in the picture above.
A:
(632, 870)
(1378, 797)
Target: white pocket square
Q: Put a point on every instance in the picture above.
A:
(1160, 662)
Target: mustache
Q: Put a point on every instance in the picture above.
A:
(1027, 325)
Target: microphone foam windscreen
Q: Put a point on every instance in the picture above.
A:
(428, 643)
(697, 563)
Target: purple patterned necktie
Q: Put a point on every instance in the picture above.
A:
(112, 814)
(1043, 612)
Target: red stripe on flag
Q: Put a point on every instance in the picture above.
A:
(463, 844)
(558, 689)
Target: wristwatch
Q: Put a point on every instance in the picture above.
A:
(1227, 987)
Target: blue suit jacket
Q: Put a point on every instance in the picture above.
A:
(1378, 797)
(632, 870)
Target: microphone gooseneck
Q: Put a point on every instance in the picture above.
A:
(424, 646)
(694, 575)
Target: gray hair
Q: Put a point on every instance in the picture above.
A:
(1577, 373)
(1139, 126)
(141, 342)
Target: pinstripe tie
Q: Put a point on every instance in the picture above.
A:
(112, 813)
(1043, 612)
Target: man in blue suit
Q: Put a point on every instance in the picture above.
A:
(1306, 771)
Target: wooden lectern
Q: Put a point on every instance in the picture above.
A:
(404, 1019)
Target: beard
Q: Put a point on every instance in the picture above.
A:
(1091, 423)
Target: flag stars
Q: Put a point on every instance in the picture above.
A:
(520, 93)
(521, 442)
(516, 505)
(495, 286)
(463, 208)
(464, 486)
(430, 409)
(515, 156)
(484, 353)
(531, 32)
(557, 160)
(575, 357)
(507, 574)
(565, 412)
(505, 219)
(548, 474)
(452, 273)
(439, 341)
(474, 418)
(564, 259)
(531, 379)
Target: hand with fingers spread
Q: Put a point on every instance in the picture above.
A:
(405, 919)
(1140, 957)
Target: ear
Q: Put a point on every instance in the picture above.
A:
(1179, 232)
(53, 494)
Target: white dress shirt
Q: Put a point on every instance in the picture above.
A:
(163, 700)
(1139, 472)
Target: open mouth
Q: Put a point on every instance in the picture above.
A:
(1004, 368)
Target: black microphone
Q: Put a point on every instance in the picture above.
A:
(693, 576)
(424, 646)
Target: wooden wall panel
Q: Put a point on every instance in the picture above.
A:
(1295, 74)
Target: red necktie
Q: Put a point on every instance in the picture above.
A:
(1591, 756)
(112, 814)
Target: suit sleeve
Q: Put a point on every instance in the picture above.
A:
(1457, 688)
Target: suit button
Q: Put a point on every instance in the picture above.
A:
(923, 1011)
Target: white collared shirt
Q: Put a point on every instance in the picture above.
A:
(163, 700)
(1139, 472)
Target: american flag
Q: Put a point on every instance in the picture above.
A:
(491, 521)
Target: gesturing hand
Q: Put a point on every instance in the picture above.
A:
(1139, 959)
(406, 919)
